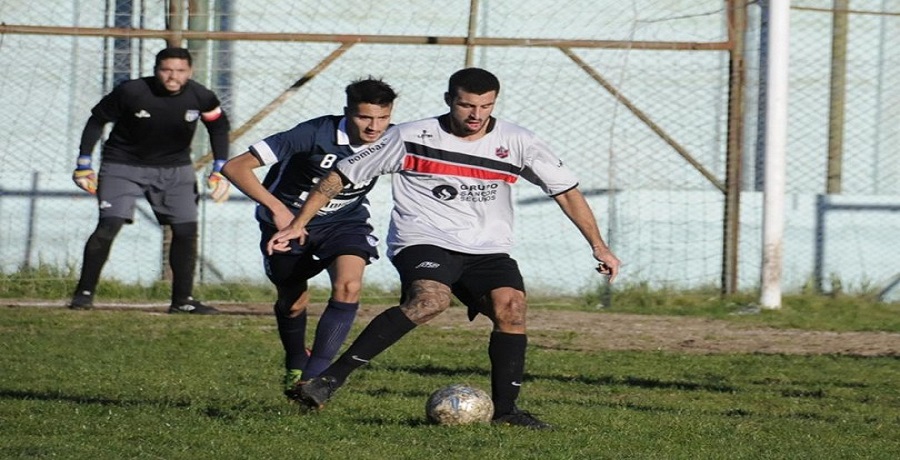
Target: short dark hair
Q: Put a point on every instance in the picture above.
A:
(371, 91)
(473, 80)
(173, 53)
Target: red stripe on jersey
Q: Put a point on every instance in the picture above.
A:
(424, 165)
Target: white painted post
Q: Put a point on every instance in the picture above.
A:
(776, 139)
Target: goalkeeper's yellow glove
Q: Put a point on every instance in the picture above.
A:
(217, 183)
(84, 176)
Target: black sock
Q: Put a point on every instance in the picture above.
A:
(292, 332)
(96, 252)
(183, 260)
(383, 331)
(507, 354)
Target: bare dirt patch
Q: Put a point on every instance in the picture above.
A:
(589, 331)
(617, 331)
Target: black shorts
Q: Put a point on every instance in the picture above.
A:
(323, 245)
(471, 277)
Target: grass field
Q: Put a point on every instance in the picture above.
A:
(136, 384)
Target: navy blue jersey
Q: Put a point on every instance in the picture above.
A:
(301, 156)
(153, 127)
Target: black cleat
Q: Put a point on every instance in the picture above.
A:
(315, 392)
(193, 307)
(520, 417)
(83, 300)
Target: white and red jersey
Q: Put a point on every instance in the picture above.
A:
(454, 193)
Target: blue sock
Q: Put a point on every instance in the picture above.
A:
(334, 325)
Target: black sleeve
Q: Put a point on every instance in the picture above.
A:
(218, 136)
(93, 129)
(219, 127)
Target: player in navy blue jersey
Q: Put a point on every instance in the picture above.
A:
(340, 235)
(148, 154)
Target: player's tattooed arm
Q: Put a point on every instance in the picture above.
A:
(319, 196)
(330, 185)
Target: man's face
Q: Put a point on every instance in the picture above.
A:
(174, 73)
(367, 122)
(470, 112)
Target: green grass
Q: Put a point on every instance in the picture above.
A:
(131, 384)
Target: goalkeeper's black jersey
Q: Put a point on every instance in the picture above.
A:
(153, 127)
(302, 155)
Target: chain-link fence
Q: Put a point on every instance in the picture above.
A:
(636, 96)
(842, 175)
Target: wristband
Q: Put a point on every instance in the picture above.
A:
(83, 162)
(217, 165)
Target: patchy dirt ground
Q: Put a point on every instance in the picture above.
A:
(616, 331)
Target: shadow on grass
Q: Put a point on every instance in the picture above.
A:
(90, 400)
(630, 381)
(411, 422)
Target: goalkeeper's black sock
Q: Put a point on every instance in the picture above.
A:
(96, 252)
(382, 332)
(183, 259)
(507, 355)
(292, 332)
(332, 330)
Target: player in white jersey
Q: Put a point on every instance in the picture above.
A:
(451, 231)
(467, 183)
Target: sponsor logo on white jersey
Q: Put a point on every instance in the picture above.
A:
(444, 192)
(501, 152)
(366, 152)
(478, 193)
(142, 114)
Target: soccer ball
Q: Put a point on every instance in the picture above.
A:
(459, 404)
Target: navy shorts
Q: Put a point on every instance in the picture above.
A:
(323, 245)
(171, 191)
(471, 277)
